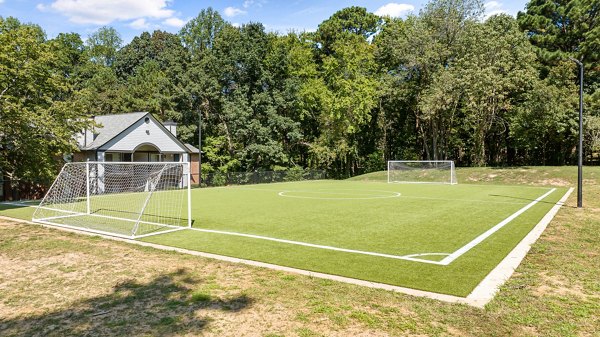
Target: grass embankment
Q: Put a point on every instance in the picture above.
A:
(54, 283)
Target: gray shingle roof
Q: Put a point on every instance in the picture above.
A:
(192, 148)
(111, 126)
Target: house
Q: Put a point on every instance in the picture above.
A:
(134, 137)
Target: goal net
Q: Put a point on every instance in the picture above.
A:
(421, 171)
(129, 200)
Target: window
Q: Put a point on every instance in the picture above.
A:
(126, 156)
(176, 157)
(113, 157)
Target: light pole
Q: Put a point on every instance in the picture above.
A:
(580, 154)
(199, 149)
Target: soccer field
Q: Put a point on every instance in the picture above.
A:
(440, 238)
(432, 237)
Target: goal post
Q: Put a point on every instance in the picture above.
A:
(421, 171)
(125, 199)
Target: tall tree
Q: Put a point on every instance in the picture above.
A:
(565, 28)
(351, 20)
(37, 115)
(198, 35)
(102, 46)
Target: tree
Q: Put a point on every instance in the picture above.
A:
(164, 48)
(102, 46)
(416, 56)
(565, 28)
(352, 20)
(198, 35)
(38, 117)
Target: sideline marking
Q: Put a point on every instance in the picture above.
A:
(306, 244)
(446, 261)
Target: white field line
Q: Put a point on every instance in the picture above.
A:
(306, 244)
(489, 286)
(447, 260)
(97, 231)
(97, 216)
(16, 203)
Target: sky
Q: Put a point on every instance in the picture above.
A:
(131, 17)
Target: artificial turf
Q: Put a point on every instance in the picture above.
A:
(357, 215)
(370, 216)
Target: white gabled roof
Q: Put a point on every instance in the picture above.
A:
(111, 126)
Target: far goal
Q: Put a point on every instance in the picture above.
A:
(421, 171)
(125, 199)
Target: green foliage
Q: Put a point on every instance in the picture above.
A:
(565, 28)
(198, 35)
(360, 90)
(102, 46)
(348, 21)
(38, 110)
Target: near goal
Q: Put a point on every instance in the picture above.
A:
(125, 199)
(421, 171)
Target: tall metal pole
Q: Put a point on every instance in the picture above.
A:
(580, 154)
(200, 148)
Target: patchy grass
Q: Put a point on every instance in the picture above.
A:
(54, 283)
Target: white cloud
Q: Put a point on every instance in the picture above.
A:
(493, 8)
(394, 9)
(491, 5)
(102, 12)
(258, 3)
(232, 11)
(139, 24)
(174, 22)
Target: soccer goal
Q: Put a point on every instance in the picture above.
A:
(125, 199)
(421, 171)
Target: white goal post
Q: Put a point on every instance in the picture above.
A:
(421, 171)
(124, 199)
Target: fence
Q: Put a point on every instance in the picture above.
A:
(260, 177)
(22, 190)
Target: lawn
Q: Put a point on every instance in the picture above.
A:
(409, 235)
(54, 283)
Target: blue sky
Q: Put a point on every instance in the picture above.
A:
(132, 17)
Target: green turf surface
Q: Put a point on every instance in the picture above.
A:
(367, 216)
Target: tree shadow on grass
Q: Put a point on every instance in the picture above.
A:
(165, 306)
(526, 199)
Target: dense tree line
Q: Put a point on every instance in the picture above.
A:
(362, 89)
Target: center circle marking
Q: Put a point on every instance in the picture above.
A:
(339, 194)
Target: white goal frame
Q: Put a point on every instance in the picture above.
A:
(413, 165)
(64, 205)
